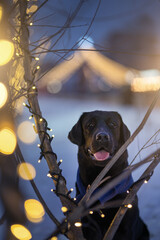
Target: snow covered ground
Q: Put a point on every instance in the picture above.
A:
(62, 114)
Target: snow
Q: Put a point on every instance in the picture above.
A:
(62, 114)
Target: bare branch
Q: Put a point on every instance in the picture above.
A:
(129, 199)
(84, 208)
(145, 145)
(67, 24)
(111, 184)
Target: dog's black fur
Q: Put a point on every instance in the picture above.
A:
(95, 131)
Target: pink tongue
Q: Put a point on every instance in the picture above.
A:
(101, 155)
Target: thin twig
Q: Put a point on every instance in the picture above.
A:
(38, 9)
(144, 146)
(77, 43)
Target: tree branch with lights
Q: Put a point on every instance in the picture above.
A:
(41, 124)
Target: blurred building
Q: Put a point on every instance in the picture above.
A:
(135, 45)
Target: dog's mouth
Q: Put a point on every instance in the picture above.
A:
(100, 155)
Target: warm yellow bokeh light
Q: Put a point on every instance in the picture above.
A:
(6, 51)
(20, 232)
(26, 132)
(146, 84)
(64, 209)
(54, 238)
(8, 141)
(1, 12)
(34, 210)
(3, 94)
(26, 171)
(32, 9)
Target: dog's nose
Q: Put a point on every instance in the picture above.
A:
(102, 137)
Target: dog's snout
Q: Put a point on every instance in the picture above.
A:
(102, 137)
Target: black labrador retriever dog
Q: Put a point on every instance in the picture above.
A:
(99, 134)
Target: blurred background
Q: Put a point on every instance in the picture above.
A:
(89, 55)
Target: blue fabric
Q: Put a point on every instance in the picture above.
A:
(122, 187)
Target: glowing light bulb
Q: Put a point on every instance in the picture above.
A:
(8, 141)
(34, 210)
(90, 212)
(64, 209)
(6, 51)
(30, 117)
(26, 171)
(129, 205)
(78, 224)
(20, 232)
(36, 58)
(3, 94)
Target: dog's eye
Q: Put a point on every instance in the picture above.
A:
(90, 125)
(112, 124)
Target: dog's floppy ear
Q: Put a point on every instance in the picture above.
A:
(76, 133)
(124, 132)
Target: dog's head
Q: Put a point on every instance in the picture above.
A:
(100, 133)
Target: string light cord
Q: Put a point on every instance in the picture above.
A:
(54, 175)
(124, 203)
(63, 228)
(85, 207)
(57, 177)
(44, 132)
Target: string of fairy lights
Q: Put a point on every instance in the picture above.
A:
(55, 176)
